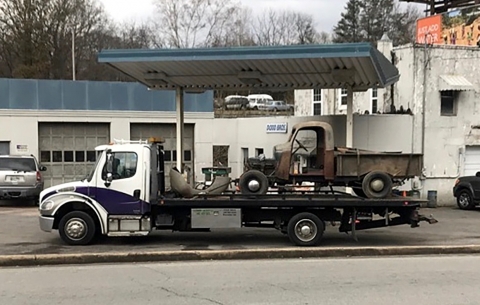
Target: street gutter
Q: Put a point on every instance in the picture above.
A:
(201, 255)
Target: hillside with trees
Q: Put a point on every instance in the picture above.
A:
(36, 35)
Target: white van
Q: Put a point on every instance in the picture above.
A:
(256, 100)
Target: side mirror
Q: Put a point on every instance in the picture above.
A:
(109, 168)
(43, 168)
(477, 174)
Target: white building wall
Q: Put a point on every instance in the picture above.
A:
(445, 136)
(331, 104)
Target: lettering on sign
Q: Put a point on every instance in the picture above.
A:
(277, 128)
(21, 148)
(429, 30)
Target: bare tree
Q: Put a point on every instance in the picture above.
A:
(37, 35)
(193, 23)
(237, 30)
(285, 28)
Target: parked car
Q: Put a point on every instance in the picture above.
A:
(236, 102)
(467, 191)
(20, 177)
(276, 106)
(256, 101)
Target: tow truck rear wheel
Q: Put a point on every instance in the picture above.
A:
(77, 228)
(305, 229)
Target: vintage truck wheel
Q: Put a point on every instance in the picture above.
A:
(305, 229)
(377, 185)
(253, 182)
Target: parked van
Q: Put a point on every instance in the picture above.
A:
(236, 102)
(255, 101)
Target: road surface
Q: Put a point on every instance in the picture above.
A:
(386, 280)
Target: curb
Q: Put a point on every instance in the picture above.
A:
(201, 255)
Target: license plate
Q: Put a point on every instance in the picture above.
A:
(15, 179)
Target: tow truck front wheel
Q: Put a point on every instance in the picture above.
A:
(305, 229)
(77, 228)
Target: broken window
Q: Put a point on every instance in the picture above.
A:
(220, 155)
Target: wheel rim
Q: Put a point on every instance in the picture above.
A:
(253, 185)
(76, 228)
(305, 230)
(464, 200)
(377, 185)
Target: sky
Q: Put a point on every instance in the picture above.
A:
(325, 12)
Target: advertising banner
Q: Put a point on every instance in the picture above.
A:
(459, 27)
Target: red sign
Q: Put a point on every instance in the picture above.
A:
(429, 30)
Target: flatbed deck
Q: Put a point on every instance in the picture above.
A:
(289, 200)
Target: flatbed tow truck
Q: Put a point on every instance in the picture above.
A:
(125, 195)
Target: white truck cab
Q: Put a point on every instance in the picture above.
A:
(122, 183)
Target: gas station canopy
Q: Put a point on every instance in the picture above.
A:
(356, 65)
(353, 66)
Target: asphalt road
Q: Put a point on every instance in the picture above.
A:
(387, 280)
(20, 234)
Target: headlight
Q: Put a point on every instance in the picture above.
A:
(47, 205)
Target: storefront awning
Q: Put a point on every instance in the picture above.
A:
(450, 82)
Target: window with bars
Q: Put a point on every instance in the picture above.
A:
(374, 100)
(317, 102)
(342, 97)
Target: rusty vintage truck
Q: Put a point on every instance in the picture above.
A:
(309, 155)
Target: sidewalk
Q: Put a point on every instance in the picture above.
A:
(20, 234)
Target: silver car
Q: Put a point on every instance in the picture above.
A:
(20, 177)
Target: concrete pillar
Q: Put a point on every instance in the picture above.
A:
(180, 122)
(349, 129)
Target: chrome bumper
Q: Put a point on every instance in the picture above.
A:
(46, 223)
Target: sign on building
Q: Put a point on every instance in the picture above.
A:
(277, 127)
(459, 27)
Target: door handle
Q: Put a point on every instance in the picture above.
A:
(136, 194)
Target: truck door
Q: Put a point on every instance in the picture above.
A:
(120, 189)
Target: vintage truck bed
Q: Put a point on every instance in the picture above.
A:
(398, 165)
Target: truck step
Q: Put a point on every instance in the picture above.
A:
(128, 234)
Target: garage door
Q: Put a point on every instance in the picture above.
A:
(141, 131)
(68, 149)
(472, 160)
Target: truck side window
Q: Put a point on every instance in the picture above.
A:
(124, 166)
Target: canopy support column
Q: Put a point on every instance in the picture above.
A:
(349, 129)
(180, 123)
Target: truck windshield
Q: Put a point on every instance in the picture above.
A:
(92, 170)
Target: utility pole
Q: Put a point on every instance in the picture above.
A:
(73, 53)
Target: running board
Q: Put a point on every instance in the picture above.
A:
(128, 234)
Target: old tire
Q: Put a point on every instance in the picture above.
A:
(465, 200)
(305, 229)
(253, 182)
(77, 228)
(377, 185)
